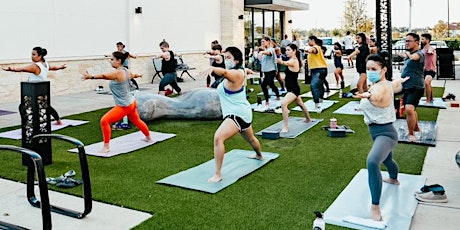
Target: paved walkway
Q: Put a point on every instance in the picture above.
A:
(439, 166)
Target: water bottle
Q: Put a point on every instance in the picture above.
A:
(318, 223)
(340, 93)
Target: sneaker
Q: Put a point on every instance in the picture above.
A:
(168, 92)
(435, 188)
(430, 197)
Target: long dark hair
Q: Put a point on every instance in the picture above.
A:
(237, 55)
(297, 53)
(363, 38)
(41, 52)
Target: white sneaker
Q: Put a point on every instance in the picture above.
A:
(430, 197)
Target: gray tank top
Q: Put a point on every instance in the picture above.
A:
(377, 115)
(120, 91)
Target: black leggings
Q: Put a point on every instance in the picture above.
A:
(22, 112)
(269, 78)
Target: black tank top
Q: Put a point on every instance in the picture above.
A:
(291, 81)
(168, 66)
(221, 65)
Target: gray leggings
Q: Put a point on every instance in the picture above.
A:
(385, 139)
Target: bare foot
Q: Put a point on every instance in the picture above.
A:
(215, 179)
(284, 130)
(256, 156)
(307, 120)
(375, 213)
(412, 138)
(58, 122)
(278, 98)
(104, 150)
(391, 181)
(147, 139)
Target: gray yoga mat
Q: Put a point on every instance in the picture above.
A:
(397, 203)
(235, 166)
(271, 93)
(274, 104)
(427, 136)
(297, 126)
(326, 95)
(125, 144)
(436, 103)
(311, 106)
(17, 133)
(351, 108)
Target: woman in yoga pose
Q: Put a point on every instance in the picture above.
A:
(236, 110)
(125, 103)
(292, 85)
(379, 115)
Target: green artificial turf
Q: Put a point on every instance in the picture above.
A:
(309, 174)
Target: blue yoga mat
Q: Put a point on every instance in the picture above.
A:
(436, 103)
(397, 202)
(351, 108)
(236, 165)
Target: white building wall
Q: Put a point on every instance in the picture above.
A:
(79, 34)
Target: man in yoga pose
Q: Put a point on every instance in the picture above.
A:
(292, 85)
(413, 89)
(236, 110)
(125, 103)
(38, 71)
(379, 115)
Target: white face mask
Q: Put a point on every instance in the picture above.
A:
(229, 64)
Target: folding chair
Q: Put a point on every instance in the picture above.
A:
(157, 66)
(181, 66)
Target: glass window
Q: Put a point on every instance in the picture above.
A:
(278, 33)
(268, 26)
(258, 26)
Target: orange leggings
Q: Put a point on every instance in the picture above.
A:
(117, 113)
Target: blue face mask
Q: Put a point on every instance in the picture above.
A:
(373, 75)
(229, 64)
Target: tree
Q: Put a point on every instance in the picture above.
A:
(355, 18)
(336, 33)
(440, 30)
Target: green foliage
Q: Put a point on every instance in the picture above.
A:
(453, 43)
(310, 173)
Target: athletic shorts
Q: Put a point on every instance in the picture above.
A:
(429, 72)
(242, 125)
(412, 96)
(349, 51)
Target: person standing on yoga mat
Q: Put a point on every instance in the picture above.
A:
(168, 69)
(268, 67)
(378, 108)
(292, 85)
(236, 109)
(318, 68)
(38, 71)
(125, 104)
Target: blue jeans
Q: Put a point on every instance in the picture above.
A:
(317, 89)
(169, 79)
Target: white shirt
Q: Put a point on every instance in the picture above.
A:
(348, 42)
(43, 76)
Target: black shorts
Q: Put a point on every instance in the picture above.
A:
(349, 51)
(412, 96)
(242, 125)
(429, 72)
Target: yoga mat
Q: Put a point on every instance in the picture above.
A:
(271, 93)
(427, 136)
(436, 103)
(326, 95)
(337, 87)
(125, 144)
(351, 108)
(297, 126)
(5, 112)
(235, 166)
(397, 202)
(17, 133)
(274, 104)
(311, 106)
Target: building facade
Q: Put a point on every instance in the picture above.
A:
(81, 34)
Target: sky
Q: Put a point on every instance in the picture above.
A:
(327, 14)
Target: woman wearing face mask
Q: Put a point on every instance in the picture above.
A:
(292, 85)
(236, 110)
(379, 115)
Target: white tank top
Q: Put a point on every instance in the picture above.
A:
(43, 76)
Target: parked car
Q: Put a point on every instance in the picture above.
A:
(328, 42)
(439, 44)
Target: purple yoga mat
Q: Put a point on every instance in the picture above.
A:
(5, 112)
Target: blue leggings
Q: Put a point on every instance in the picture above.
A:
(385, 139)
(169, 79)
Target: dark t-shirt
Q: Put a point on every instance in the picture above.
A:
(414, 69)
(361, 58)
(168, 66)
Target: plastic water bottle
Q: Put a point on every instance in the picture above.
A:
(318, 223)
(340, 93)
